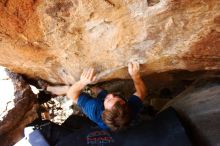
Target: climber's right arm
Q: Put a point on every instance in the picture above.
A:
(87, 77)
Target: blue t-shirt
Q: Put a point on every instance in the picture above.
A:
(93, 107)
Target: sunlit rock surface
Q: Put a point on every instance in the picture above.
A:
(6, 94)
(18, 107)
(55, 40)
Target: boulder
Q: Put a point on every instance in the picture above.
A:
(198, 107)
(56, 40)
(19, 110)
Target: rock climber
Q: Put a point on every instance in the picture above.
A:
(109, 111)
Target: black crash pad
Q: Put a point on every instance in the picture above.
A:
(164, 130)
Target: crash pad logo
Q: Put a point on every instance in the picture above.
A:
(99, 138)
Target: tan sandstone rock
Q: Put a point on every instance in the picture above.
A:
(55, 39)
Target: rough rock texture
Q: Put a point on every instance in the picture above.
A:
(14, 119)
(56, 39)
(199, 109)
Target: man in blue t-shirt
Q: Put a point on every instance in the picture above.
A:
(108, 110)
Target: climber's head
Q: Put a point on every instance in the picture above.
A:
(117, 113)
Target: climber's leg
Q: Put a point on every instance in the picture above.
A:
(58, 90)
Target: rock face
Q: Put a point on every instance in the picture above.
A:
(199, 109)
(55, 40)
(24, 110)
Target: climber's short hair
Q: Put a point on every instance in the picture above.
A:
(118, 118)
